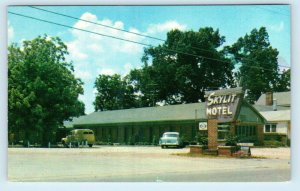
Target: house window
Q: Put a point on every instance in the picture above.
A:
(270, 128)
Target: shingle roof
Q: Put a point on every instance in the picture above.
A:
(284, 115)
(283, 99)
(69, 123)
(261, 108)
(149, 114)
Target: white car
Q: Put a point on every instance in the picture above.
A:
(170, 139)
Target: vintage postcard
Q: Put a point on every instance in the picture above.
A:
(194, 93)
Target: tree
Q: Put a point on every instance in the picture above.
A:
(113, 93)
(183, 68)
(145, 88)
(42, 90)
(284, 82)
(259, 72)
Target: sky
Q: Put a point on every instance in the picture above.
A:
(93, 54)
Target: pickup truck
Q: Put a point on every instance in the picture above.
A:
(79, 137)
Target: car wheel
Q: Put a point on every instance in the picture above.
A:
(64, 144)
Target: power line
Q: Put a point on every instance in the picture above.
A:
(64, 15)
(118, 38)
(130, 32)
(114, 28)
(67, 26)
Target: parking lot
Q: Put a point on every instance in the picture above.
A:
(143, 164)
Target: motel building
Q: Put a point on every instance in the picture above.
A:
(225, 112)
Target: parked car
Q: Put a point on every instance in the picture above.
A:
(170, 139)
(79, 137)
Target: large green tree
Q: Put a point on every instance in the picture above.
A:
(258, 72)
(42, 89)
(113, 93)
(284, 82)
(182, 68)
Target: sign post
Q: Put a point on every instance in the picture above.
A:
(221, 107)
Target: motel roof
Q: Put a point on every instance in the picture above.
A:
(180, 112)
(169, 113)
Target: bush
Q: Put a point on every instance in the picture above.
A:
(247, 139)
(231, 140)
(202, 138)
(130, 141)
(273, 143)
(275, 137)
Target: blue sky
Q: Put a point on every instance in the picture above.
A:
(93, 54)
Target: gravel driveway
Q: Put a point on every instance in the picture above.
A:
(273, 153)
(130, 163)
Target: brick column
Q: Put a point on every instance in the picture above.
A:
(212, 127)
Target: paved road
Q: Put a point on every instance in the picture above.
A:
(141, 164)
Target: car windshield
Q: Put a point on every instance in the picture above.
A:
(170, 135)
(87, 132)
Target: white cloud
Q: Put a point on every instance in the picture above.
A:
(85, 42)
(94, 54)
(130, 47)
(164, 27)
(95, 91)
(106, 71)
(82, 98)
(10, 32)
(76, 50)
(84, 75)
(127, 68)
(277, 27)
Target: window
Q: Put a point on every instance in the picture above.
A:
(246, 131)
(267, 129)
(223, 131)
(170, 135)
(270, 128)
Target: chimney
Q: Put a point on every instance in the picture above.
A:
(274, 105)
(269, 98)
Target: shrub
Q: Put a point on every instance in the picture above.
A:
(273, 143)
(130, 141)
(202, 138)
(275, 137)
(231, 140)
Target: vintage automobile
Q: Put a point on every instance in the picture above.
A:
(170, 139)
(79, 137)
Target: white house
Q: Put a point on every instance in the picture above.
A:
(277, 122)
(276, 109)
